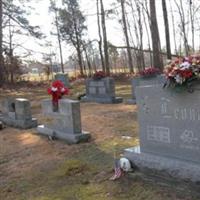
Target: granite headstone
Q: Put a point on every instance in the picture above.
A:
(101, 91)
(64, 78)
(169, 136)
(65, 123)
(17, 113)
(139, 81)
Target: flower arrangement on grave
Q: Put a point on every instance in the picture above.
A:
(149, 72)
(57, 90)
(182, 73)
(98, 75)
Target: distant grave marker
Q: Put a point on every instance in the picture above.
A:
(101, 91)
(64, 78)
(17, 113)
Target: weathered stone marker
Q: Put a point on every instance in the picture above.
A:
(137, 81)
(17, 113)
(63, 78)
(101, 91)
(65, 123)
(169, 132)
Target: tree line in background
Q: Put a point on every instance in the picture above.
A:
(139, 24)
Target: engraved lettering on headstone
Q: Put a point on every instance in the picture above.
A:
(92, 84)
(188, 137)
(158, 134)
(96, 83)
(92, 90)
(198, 115)
(144, 103)
(184, 114)
(192, 114)
(176, 113)
(102, 90)
(165, 108)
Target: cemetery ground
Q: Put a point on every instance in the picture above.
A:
(32, 167)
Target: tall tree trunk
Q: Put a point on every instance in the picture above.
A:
(141, 53)
(105, 41)
(100, 39)
(148, 38)
(192, 23)
(173, 25)
(183, 24)
(88, 61)
(167, 34)
(54, 9)
(80, 62)
(78, 40)
(130, 61)
(157, 60)
(11, 64)
(1, 46)
(59, 42)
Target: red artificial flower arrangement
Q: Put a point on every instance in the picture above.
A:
(182, 72)
(99, 75)
(149, 72)
(57, 90)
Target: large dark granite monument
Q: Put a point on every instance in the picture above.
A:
(169, 135)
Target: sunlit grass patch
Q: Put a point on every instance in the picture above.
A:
(118, 144)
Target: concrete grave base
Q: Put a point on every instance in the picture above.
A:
(131, 101)
(69, 138)
(165, 166)
(102, 100)
(24, 124)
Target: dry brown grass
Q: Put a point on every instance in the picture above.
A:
(34, 168)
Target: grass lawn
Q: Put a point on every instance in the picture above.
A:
(35, 168)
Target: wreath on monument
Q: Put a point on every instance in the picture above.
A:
(182, 73)
(57, 90)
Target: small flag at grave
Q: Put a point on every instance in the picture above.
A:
(118, 171)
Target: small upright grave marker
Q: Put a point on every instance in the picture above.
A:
(17, 113)
(101, 91)
(63, 78)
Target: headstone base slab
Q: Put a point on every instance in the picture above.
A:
(103, 100)
(68, 137)
(164, 166)
(131, 102)
(24, 124)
